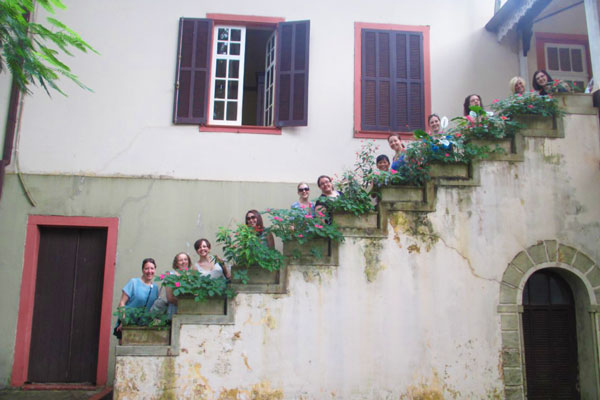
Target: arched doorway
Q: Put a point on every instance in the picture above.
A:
(550, 337)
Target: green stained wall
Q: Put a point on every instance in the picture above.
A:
(157, 218)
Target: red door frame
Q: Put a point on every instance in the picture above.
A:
(27, 295)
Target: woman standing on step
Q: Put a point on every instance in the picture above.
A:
(254, 220)
(209, 265)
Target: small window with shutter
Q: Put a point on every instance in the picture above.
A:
(238, 74)
(567, 62)
(393, 80)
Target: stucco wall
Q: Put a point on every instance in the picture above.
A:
(411, 314)
(124, 127)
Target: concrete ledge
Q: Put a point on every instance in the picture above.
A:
(277, 286)
(576, 103)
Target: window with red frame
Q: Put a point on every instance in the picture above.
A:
(236, 74)
(392, 80)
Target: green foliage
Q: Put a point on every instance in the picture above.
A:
(245, 247)
(482, 125)
(30, 50)
(301, 224)
(139, 316)
(190, 282)
(529, 104)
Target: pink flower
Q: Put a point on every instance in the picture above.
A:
(393, 171)
(530, 106)
(302, 206)
(458, 135)
(447, 155)
(177, 284)
(519, 94)
(468, 117)
(185, 269)
(495, 101)
(307, 216)
(162, 276)
(277, 219)
(318, 226)
(320, 214)
(300, 235)
(504, 118)
(268, 210)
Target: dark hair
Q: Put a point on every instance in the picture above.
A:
(259, 221)
(394, 134)
(198, 243)
(536, 86)
(433, 115)
(321, 177)
(148, 260)
(185, 254)
(382, 157)
(467, 104)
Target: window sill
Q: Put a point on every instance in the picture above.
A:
(263, 130)
(381, 135)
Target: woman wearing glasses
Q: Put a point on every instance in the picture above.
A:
(303, 200)
(254, 220)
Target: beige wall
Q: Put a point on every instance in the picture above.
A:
(124, 127)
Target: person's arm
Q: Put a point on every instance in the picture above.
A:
(124, 299)
(226, 270)
(270, 241)
(170, 296)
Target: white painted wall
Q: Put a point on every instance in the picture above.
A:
(124, 127)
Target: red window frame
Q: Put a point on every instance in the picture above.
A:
(27, 293)
(358, 27)
(542, 38)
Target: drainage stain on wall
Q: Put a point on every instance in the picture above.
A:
(415, 225)
(372, 251)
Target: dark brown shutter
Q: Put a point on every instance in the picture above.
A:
(292, 73)
(193, 71)
(392, 81)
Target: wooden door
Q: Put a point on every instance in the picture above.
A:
(68, 297)
(550, 338)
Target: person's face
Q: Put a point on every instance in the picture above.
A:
(474, 101)
(434, 124)
(251, 220)
(383, 165)
(182, 261)
(203, 250)
(303, 192)
(520, 87)
(541, 79)
(395, 143)
(325, 185)
(148, 270)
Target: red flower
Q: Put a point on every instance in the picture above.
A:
(495, 101)
(300, 235)
(504, 118)
(530, 106)
(447, 155)
(458, 135)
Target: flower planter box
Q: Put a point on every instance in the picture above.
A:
(210, 306)
(306, 253)
(504, 144)
(397, 193)
(576, 103)
(347, 220)
(537, 122)
(449, 170)
(145, 336)
(258, 275)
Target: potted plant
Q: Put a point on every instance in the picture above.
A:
(253, 260)
(196, 293)
(140, 327)
(531, 111)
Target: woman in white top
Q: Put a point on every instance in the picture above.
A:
(208, 265)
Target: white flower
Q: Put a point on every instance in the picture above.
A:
(472, 114)
(490, 113)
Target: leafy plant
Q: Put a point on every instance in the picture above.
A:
(139, 316)
(483, 125)
(244, 247)
(301, 224)
(529, 104)
(27, 46)
(191, 282)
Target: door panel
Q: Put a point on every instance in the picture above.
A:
(68, 295)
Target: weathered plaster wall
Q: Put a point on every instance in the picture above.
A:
(124, 127)
(413, 314)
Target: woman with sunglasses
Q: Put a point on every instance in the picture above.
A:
(254, 220)
(303, 200)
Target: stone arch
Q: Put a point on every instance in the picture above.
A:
(583, 275)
